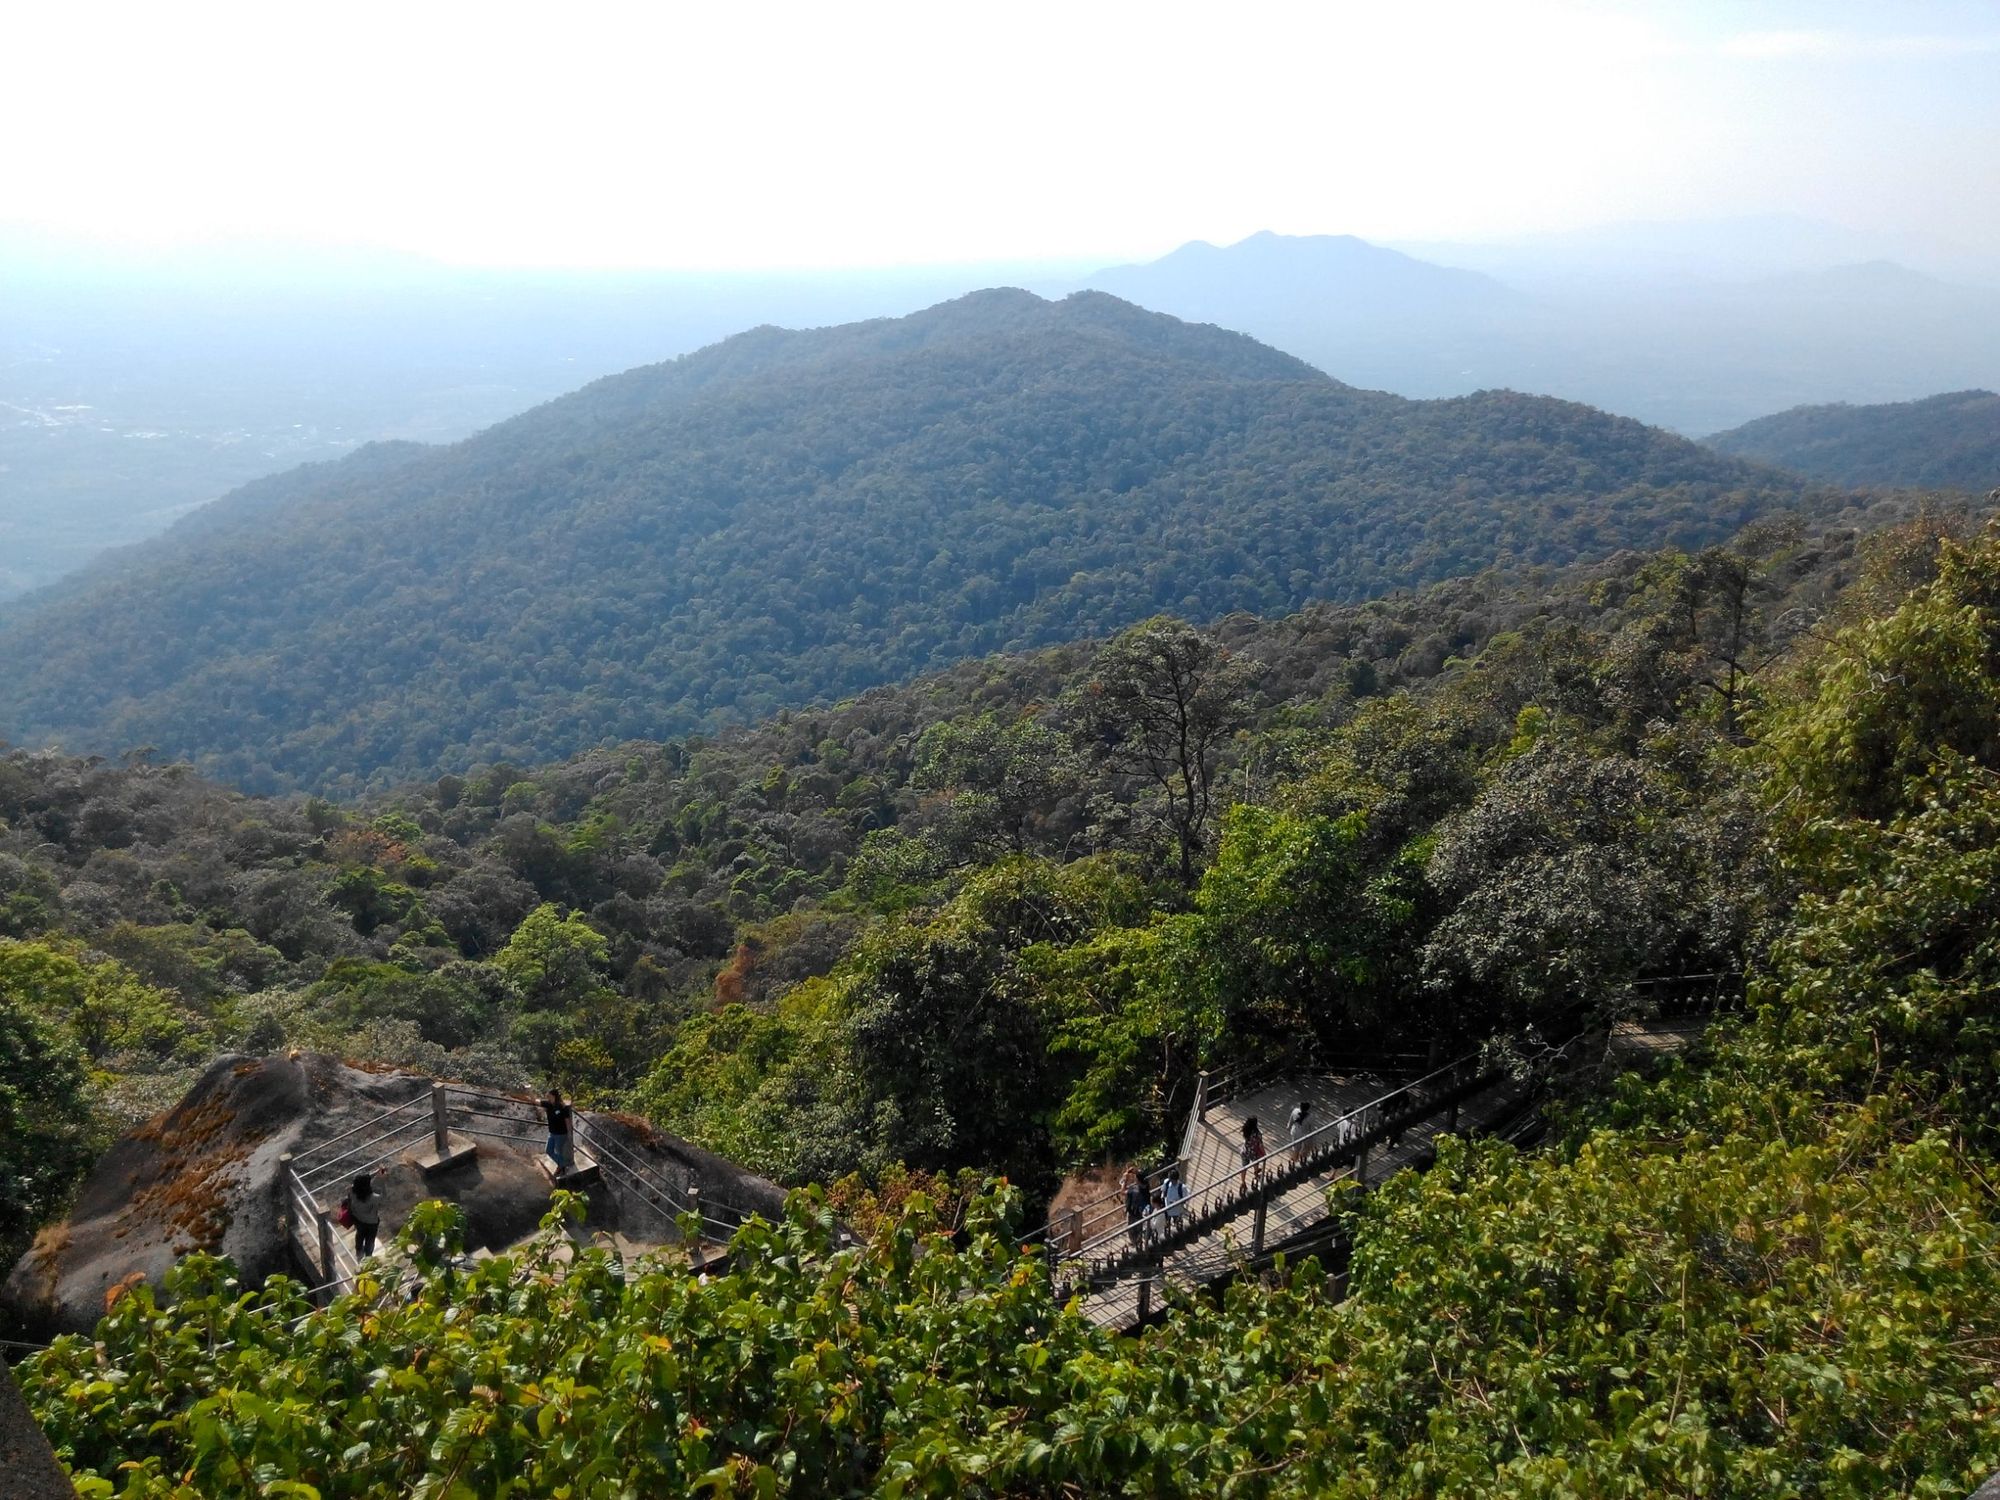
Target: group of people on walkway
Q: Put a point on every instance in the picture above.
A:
(1300, 1134)
(1167, 1200)
(1145, 1209)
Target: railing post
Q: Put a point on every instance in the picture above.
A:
(695, 1256)
(1257, 1228)
(1451, 1117)
(1201, 1095)
(437, 1120)
(285, 1214)
(1075, 1230)
(1145, 1298)
(1361, 1165)
(326, 1261)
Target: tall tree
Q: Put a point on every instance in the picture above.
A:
(994, 780)
(1159, 702)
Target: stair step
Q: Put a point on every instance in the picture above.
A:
(584, 1171)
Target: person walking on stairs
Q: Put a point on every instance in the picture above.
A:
(364, 1211)
(1137, 1206)
(1297, 1129)
(1173, 1197)
(559, 1116)
(1253, 1149)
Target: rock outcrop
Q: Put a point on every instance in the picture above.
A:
(205, 1176)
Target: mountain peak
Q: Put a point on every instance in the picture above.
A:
(796, 515)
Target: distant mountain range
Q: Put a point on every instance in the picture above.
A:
(133, 388)
(791, 516)
(1694, 352)
(1948, 442)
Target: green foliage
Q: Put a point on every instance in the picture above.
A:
(143, 1045)
(996, 784)
(1894, 694)
(1300, 933)
(554, 958)
(44, 1139)
(929, 1045)
(1159, 701)
(1769, 1270)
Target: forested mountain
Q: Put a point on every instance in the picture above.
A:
(136, 384)
(1760, 1270)
(795, 516)
(1949, 442)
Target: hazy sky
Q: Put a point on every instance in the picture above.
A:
(746, 135)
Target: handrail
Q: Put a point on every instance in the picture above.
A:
(522, 1111)
(336, 1140)
(344, 1164)
(1230, 1199)
(519, 1123)
(1112, 1204)
(1234, 1082)
(1210, 1251)
(1349, 1127)
(1197, 1230)
(644, 1178)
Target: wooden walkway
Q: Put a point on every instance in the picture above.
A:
(1212, 1156)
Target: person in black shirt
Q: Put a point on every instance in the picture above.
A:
(1137, 1206)
(559, 1117)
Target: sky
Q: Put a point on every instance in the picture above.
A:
(773, 135)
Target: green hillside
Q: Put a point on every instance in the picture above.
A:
(791, 517)
(1766, 1270)
(703, 889)
(1942, 442)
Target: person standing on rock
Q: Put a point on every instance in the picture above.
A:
(559, 1115)
(364, 1207)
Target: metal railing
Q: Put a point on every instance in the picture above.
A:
(307, 1177)
(1200, 1234)
(1253, 1184)
(1088, 1221)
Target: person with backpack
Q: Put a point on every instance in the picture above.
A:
(1296, 1129)
(559, 1116)
(362, 1208)
(1173, 1198)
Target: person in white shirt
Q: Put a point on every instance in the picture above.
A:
(1297, 1130)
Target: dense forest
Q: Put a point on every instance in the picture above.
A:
(1765, 1270)
(689, 925)
(787, 518)
(1942, 442)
